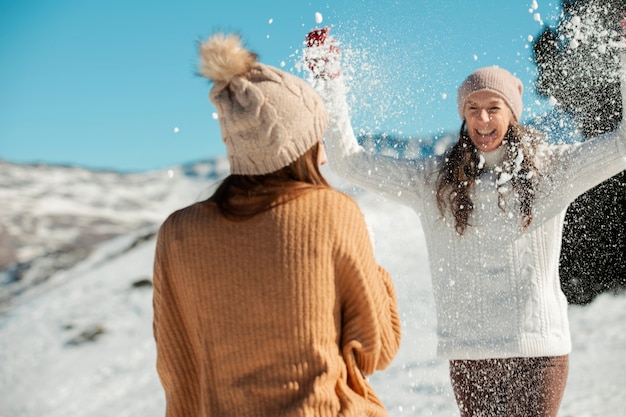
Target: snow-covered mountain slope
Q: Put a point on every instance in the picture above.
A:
(81, 344)
(53, 216)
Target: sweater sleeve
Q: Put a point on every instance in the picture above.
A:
(391, 177)
(176, 365)
(370, 320)
(571, 170)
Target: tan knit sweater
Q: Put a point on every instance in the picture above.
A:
(280, 315)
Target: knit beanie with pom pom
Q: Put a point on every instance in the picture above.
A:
(496, 80)
(268, 118)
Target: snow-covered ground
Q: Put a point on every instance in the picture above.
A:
(81, 345)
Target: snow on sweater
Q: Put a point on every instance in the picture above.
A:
(278, 315)
(497, 289)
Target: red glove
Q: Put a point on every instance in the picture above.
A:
(321, 55)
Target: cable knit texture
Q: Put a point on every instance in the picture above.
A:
(497, 289)
(280, 315)
(268, 117)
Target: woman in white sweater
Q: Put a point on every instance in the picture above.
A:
(492, 210)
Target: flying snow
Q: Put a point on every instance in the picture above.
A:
(214, 115)
(318, 18)
(176, 130)
(481, 161)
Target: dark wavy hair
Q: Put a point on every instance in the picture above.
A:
(461, 167)
(240, 197)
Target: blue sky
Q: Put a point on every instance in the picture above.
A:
(112, 84)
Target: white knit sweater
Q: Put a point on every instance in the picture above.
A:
(496, 288)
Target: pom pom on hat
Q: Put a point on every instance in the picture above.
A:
(223, 58)
(268, 118)
(497, 80)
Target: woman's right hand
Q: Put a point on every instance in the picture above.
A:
(321, 54)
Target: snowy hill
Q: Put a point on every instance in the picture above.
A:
(54, 216)
(79, 343)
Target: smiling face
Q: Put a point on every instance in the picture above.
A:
(487, 117)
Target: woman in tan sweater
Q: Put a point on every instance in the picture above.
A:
(268, 300)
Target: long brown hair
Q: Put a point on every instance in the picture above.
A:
(240, 197)
(461, 168)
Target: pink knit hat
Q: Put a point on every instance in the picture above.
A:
(268, 118)
(496, 80)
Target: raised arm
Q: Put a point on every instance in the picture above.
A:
(575, 169)
(385, 175)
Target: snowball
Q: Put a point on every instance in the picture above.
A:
(481, 161)
(176, 130)
(503, 179)
(318, 18)
(214, 116)
(270, 21)
(534, 5)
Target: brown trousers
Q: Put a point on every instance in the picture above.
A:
(511, 387)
